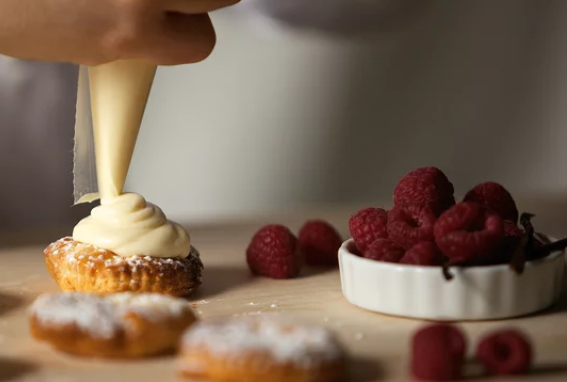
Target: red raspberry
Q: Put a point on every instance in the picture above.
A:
(410, 224)
(319, 243)
(512, 238)
(384, 250)
(437, 353)
(426, 187)
(352, 248)
(496, 197)
(273, 252)
(506, 352)
(468, 232)
(425, 253)
(368, 225)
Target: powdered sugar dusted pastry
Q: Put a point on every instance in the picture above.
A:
(251, 349)
(116, 325)
(126, 243)
(77, 266)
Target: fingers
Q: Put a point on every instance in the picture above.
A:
(181, 39)
(168, 32)
(196, 6)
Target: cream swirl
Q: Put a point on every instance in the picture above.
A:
(129, 226)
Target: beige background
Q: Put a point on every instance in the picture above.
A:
(276, 121)
(281, 120)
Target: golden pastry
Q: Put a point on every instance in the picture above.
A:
(258, 350)
(77, 266)
(121, 325)
(126, 243)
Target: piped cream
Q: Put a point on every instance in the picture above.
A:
(129, 226)
(124, 223)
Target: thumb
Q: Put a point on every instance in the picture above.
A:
(181, 39)
(196, 6)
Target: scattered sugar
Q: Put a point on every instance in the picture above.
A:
(273, 306)
(253, 303)
(201, 302)
(74, 251)
(285, 342)
(103, 315)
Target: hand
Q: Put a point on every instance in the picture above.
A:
(92, 32)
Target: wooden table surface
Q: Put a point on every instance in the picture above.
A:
(378, 344)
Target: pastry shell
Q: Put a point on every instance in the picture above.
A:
(92, 325)
(258, 350)
(77, 266)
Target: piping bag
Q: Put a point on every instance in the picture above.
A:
(111, 100)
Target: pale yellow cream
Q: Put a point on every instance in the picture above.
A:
(129, 226)
(119, 93)
(124, 223)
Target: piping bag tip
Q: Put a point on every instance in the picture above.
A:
(88, 198)
(129, 81)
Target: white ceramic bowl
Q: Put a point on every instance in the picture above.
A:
(475, 293)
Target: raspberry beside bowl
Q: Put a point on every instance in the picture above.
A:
(474, 293)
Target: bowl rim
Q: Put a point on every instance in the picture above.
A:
(396, 267)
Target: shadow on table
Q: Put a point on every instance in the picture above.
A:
(474, 371)
(316, 271)
(9, 302)
(545, 369)
(11, 369)
(364, 370)
(219, 279)
(561, 304)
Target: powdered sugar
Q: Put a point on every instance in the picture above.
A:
(103, 315)
(303, 346)
(73, 251)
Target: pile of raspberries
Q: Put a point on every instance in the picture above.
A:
(275, 252)
(438, 353)
(427, 227)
